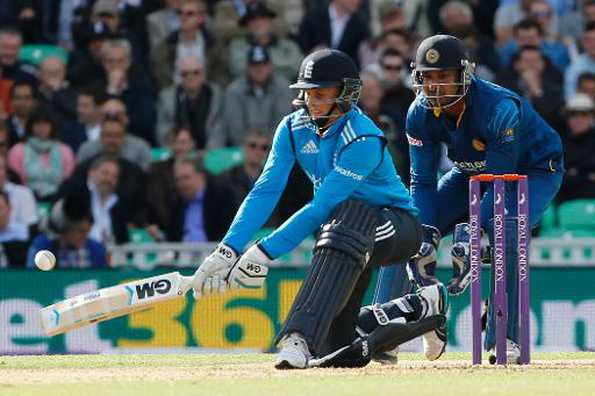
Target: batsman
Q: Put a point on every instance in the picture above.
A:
(487, 129)
(363, 217)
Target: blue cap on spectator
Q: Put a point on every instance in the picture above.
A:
(257, 55)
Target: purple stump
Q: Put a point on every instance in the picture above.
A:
(524, 236)
(500, 295)
(475, 262)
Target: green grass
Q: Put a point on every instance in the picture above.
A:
(567, 374)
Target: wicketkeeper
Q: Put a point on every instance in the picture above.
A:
(488, 129)
(363, 217)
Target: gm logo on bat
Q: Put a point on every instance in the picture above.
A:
(146, 290)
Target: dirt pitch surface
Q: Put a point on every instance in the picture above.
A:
(253, 374)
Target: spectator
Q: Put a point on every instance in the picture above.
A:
(338, 26)
(111, 213)
(32, 18)
(260, 21)
(85, 62)
(572, 24)
(371, 102)
(67, 236)
(121, 20)
(541, 85)
(86, 127)
(397, 96)
(579, 146)
(162, 23)
(408, 15)
(11, 68)
(204, 208)
(256, 101)
(55, 93)
(391, 15)
(23, 100)
(242, 177)
(542, 12)
(191, 40)
(586, 84)
(23, 206)
(42, 162)
(14, 237)
(195, 103)
(483, 15)
(457, 19)
(161, 185)
(131, 85)
(69, 11)
(5, 108)
(4, 140)
(529, 33)
(398, 40)
(131, 183)
(114, 138)
(583, 63)
(508, 15)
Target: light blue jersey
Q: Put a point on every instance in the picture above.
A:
(350, 161)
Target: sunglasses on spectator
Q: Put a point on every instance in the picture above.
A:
(106, 15)
(584, 113)
(254, 146)
(186, 73)
(392, 67)
(540, 14)
(113, 115)
(187, 13)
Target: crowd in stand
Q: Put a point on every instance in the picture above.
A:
(120, 78)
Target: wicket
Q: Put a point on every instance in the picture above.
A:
(500, 298)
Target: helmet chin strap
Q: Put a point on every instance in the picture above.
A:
(325, 121)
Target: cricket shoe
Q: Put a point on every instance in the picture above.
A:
(387, 358)
(294, 353)
(513, 353)
(435, 301)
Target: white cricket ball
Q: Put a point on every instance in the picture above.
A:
(45, 260)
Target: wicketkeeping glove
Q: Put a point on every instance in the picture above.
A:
(461, 264)
(421, 268)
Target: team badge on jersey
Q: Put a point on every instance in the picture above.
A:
(508, 135)
(478, 145)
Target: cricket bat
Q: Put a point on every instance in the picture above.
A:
(111, 302)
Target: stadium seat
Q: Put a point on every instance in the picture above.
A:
(140, 235)
(160, 154)
(37, 53)
(577, 214)
(549, 219)
(43, 209)
(219, 160)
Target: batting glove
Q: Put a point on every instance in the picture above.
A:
(250, 271)
(210, 276)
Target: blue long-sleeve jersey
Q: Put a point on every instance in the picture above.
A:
(499, 132)
(350, 161)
